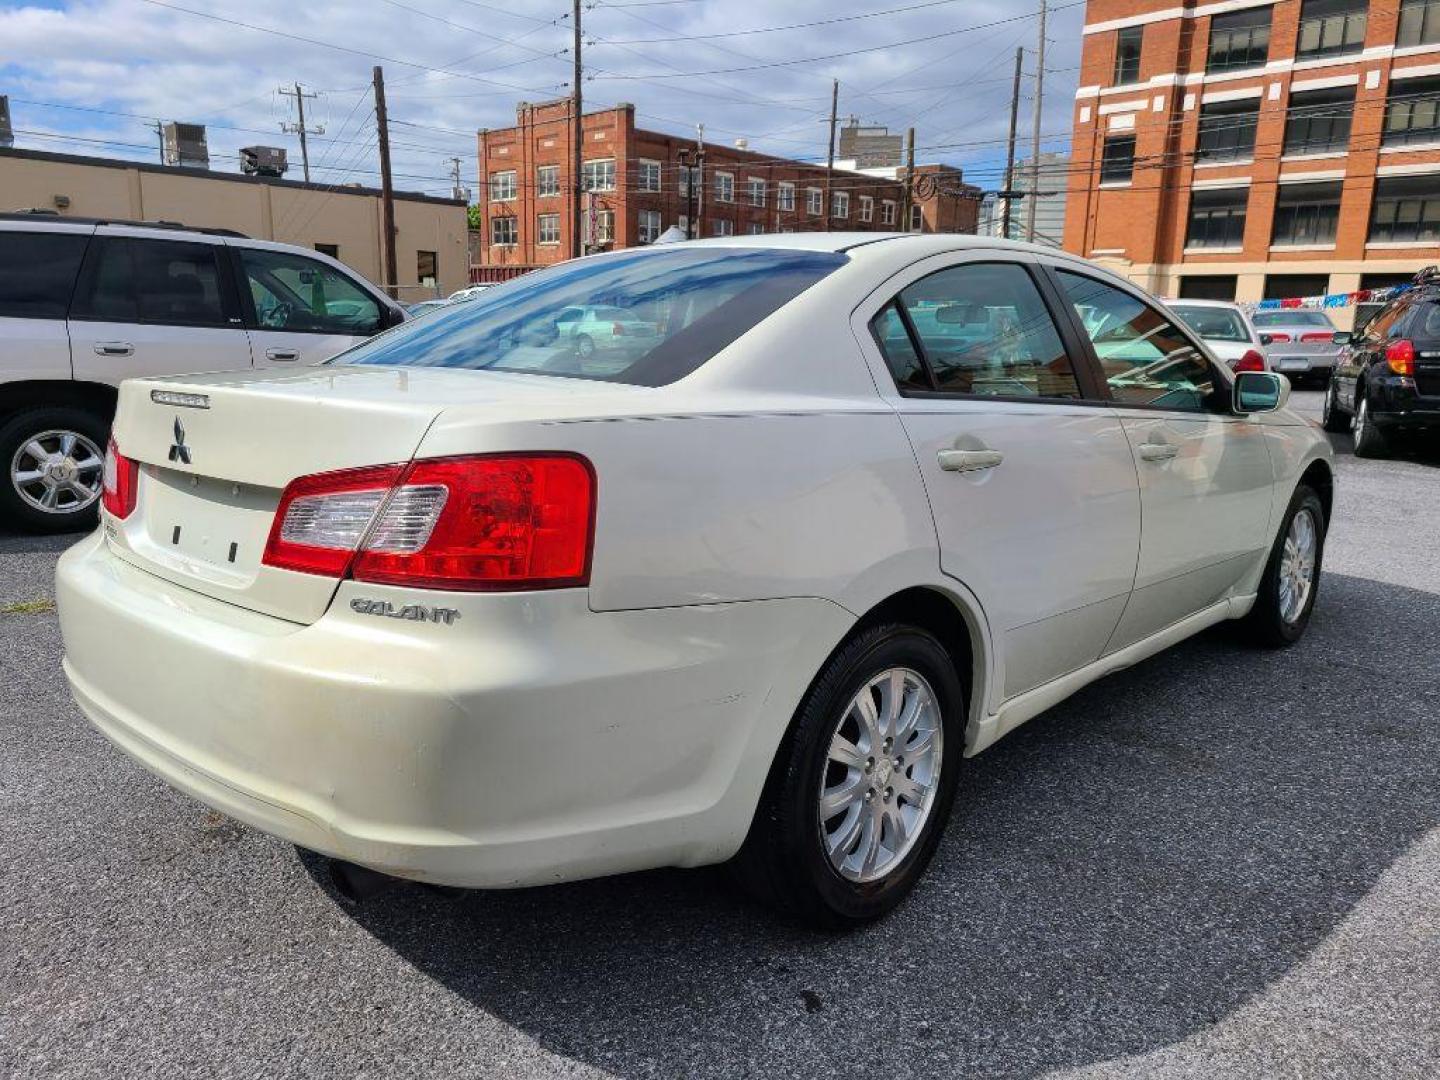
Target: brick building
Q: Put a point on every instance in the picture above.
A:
(1244, 149)
(637, 185)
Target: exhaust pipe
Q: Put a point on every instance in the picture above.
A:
(357, 883)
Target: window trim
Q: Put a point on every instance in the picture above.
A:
(1118, 70)
(540, 192)
(514, 186)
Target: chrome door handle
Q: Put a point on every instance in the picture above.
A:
(114, 348)
(969, 460)
(282, 354)
(1158, 451)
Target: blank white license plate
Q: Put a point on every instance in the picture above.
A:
(1290, 363)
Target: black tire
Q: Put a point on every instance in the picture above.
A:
(17, 432)
(1334, 419)
(1370, 441)
(784, 863)
(584, 347)
(1266, 625)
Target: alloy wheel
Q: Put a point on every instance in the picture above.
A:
(1297, 565)
(58, 472)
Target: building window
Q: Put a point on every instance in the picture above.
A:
(598, 175)
(503, 231)
(757, 191)
(1209, 287)
(1217, 218)
(867, 208)
(1412, 115)
(1287, 286)
(547, 180)
(333, 250)
(648, 175)
(840, 204)
(755, 229)
(917, 219)
(1127, 55)
(683, 224)
(1227, 130)
(887, 212)
(1331, 28)
(649, 226)
(502, 186)
(724, 187)
(1419, 23)
(1306, 214)
(1407, 209)
(548, 228)
(1320, 121)
(604, 227)
(1117, 160)
(427, 267)
(1240, 39)
(814, 201)
(682, 178)
(785, 197)
(722, 227)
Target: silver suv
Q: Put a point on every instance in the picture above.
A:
(86, 303)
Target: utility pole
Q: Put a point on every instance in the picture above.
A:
(1032, 204)
(697, 178)
(300, 95)
(577, 135)
(830, 157)
(1007, 197)
(909, 178)
(456, 188)
(387, 189)
(160, 134)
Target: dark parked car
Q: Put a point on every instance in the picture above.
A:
(1387, 378)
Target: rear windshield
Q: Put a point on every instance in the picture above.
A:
(1213, 324)
(647, 317)
(1293, 318)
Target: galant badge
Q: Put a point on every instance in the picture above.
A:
(178, 450)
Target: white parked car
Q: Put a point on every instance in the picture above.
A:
(1226, 329)
(470, 292)
(86, 303)
(451, 609)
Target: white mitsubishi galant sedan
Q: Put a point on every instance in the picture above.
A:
(468, 606)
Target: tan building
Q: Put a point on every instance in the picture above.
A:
(343, 222)
(1247, 149)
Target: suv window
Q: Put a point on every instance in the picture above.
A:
(1385, 324)
(153, 281)
(1145, 358)
(981, 329)
(293, 293)
(37, 273)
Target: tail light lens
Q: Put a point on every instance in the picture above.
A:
(120, 483)
(1251, 361)
(1315, 338)
(1279, 339)
(466, 524)
(1400, 355)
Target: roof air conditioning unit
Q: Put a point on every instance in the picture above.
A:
(263, 161)
(185, 145)
(7, 133)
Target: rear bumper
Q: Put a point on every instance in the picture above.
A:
(531, 741)
(1396, 402)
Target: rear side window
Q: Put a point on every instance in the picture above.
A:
(153, 281)
(647, 318)
(982, 329)
(37, 273)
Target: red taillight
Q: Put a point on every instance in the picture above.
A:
(1328, 339)
(1251, 361)
(468, 524)
(617, 329)
(1279, 339)
(1400, 355)
(121, 483)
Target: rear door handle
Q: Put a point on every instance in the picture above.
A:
(114, 348)
(1158, 451)
(969, 460)
(282, 354)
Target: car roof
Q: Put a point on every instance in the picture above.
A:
(1228, 305)
(920, 243)
(47, 220)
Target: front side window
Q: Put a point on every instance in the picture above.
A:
(1146, 359)
(503, 231)
(1127, 54)
(1412, 112)
(37, 273)
(649, 175)
(1239, 39)
(547, 180)
(1217, 218)
(785, 197)
(814, 201)
(649, 226)
(840, 204)
(547, 228)
(1419, 23)
(1319, 121)
(980, 329)
(1227, 130)
(757, 191)
(724, 187)
(680, 307)
(1331, 28)
(154, 281)
(297, 294)
(1307, 213)
(1407, 210)
(598, 175)
(1117, 160)
(502, 186)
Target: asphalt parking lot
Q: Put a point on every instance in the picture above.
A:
(1221, 863)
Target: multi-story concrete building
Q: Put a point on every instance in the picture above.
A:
(1251, 149)
(636, 184)
(1053, 184)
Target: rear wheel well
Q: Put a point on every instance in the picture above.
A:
(1319, 478)
(931, 610)
(97, 398)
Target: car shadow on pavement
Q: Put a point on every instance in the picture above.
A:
(1124, 871)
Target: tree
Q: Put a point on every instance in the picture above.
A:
(473, 213)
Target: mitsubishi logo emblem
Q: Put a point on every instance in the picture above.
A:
(179, 451)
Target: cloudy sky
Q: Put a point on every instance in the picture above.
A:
(91, 77)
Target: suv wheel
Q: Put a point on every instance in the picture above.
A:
(54, 460)
(1332, 419)
(1370, 441)
(1292, 574)
(859, 794)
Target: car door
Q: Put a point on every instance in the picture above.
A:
(301, 310)
(1367, 348)
(1206, 479)
(150, 306)
(1030, 479)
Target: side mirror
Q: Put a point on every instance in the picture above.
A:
(1342, 338)
(1260, 392)
(392, 316)
(1267, 339)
